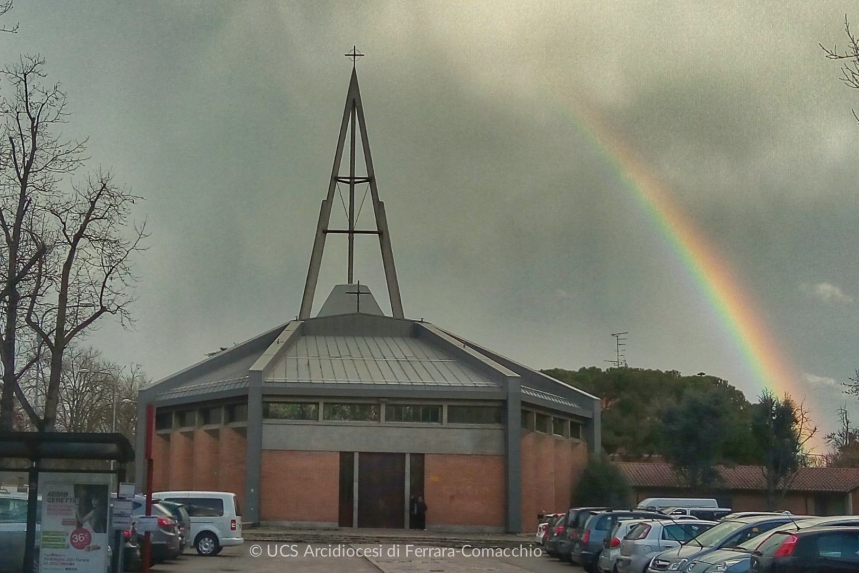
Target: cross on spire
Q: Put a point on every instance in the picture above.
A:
(354, 54)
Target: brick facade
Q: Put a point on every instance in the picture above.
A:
(161, 462)
(464, 489)
(551, 468)
(300, 486)
(181, 461)
(231, 461)
(206, 465)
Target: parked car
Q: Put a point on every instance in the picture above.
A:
(183, 520)
(651, 538)
(543, 525)
(660, 503)
(13, 530)
(575, 522)
(588, 546)
(607, 562)
(216, 519)
(738, 559)
(553, 520)
(165, 540)
(728, 533)
(814, 550)
(703, 513)
(556, 526)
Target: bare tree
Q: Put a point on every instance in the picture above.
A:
(92, 276)
(35, 159)
(848, 57)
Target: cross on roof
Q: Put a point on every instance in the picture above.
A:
(354, 54)
(358, 294)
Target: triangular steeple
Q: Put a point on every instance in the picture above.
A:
(353, 119)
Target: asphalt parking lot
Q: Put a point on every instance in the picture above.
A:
(278, 557)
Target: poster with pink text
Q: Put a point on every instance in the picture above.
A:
(74, 536)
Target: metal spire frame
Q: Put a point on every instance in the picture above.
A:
(353, 120)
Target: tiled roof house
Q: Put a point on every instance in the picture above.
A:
(814, 491)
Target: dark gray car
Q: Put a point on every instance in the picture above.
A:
(738, 559)
(729, 533)
(587, 547)
(575, 523)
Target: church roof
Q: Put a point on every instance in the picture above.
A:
(361, 359)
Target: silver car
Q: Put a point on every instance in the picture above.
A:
(650, 538)
(607, 563)
(13, 530)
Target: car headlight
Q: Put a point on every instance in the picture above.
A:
(725, 565)
(677, 565)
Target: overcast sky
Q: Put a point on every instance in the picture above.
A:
(510, 225)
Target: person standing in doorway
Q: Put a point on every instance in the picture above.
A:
(419, 513)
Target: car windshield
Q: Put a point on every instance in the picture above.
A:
(719, 533)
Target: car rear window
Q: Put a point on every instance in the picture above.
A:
(769, 546)
(674, 533)
(603, 523)
(640, 531)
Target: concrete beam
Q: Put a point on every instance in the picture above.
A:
(513, 458)
(253, 459)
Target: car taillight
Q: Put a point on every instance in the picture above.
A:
(559, 530)
(587, 536)
(232, 525)
(786, 548)
(165, 522)
(126, 534)
(614, 542)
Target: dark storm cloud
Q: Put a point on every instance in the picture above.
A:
(510, 226)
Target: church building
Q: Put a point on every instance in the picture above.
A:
(339, 418)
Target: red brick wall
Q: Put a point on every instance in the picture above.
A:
(161, 462)
(231, 461)
(528, 459)
(299, 486)
(551, 468)
(465, 489)
(206, 460)
(181, 460)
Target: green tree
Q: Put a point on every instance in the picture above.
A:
(634, 402)
(781, 429)
(602, 484)
(694, 436)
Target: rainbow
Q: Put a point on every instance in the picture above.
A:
(711, 274)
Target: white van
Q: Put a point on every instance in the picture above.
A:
(216, 519)
(660, 503)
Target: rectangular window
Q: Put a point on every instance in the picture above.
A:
(163, 420)
(558, 426)
(351, 412)
(187, 419)
(201, 506)
(526, 420)
(413, 413)
(475, 415)
(543, 423)
(237, 413)
(290, 411)
(575, 430)
(211, 416)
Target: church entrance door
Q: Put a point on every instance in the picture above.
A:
(381, 490)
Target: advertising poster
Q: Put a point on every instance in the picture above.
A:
(75, 525)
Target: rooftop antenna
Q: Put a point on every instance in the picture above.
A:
(620, 350)
(353, 122)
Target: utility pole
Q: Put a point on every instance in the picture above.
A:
(620, 350)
